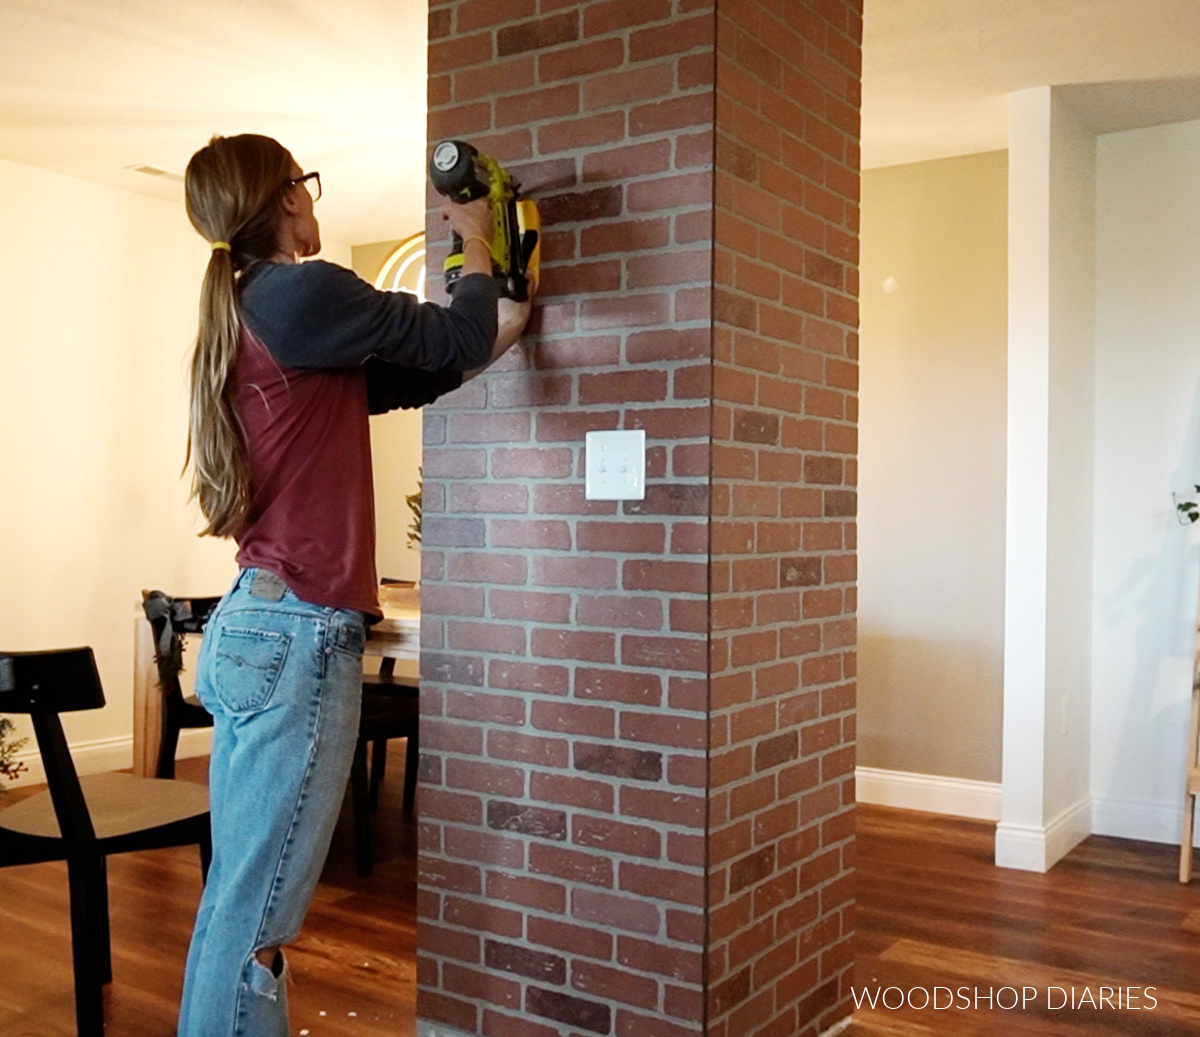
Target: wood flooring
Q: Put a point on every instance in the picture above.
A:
(932, 912)
(354, 966)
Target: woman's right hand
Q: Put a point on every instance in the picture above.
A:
(470, 219)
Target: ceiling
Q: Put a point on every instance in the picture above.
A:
(936, 73)
(90, 88)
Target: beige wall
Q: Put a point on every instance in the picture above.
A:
(932, 467)
(396, 456)
(98, 291)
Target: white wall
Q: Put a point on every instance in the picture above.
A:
(931, 468)
(98, 300)
(98, 295)
(395, 456)
(1147, 444)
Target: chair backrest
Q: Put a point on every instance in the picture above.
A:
(171, 618)
(60, 681)
(44, 684)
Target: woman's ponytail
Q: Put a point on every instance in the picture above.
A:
(233, 187)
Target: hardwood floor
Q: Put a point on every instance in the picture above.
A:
(932, 912)
(354, 968)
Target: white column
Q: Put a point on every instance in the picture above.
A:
(1047, 680)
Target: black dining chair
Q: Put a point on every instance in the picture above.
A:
(390, 709)
(171, 619)
(85, 820)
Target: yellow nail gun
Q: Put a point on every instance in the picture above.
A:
(462, 173)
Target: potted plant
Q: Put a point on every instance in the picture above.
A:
(10, 766)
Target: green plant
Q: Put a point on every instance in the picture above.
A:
(10, 766)
(413, 500)
(1188, 508)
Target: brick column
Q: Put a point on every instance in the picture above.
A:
(637, 718)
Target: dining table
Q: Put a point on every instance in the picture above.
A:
(396, 636)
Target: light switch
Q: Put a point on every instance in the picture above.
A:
(616, 465)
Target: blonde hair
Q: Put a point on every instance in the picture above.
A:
(233, 188)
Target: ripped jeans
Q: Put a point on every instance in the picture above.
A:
(283, 680)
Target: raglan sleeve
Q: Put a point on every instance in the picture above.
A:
(393, 387)
(320, 315)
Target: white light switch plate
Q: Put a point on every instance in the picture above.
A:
(616, 465)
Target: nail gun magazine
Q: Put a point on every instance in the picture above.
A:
(462, 173)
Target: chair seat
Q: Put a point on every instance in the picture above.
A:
(119, 804)
(393, 683)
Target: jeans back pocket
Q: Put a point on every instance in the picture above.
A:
(248, 664)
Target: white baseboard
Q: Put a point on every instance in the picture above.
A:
(110, 754)
(960, 797)
(1039, 848)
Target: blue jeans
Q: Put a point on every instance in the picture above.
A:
(283, 681)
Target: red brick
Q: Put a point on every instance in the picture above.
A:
(664, 576)
(472, 844)
(623, 164)
(580, 646)
(619, 611)
(538, 34)
(486, 81)
(533, 106)
(637, 310)
(487, 707)
(669, 192)
(583, 60)
(623, 537)
(585, 793)
(578, 279)
(482, 917)
(529, 677)
(628, 686)
(529, 606)
(614, 15)
(488, 428)
(624, 237)
(450, 943)
(672, 808)
(552, 535)
(635, 915)
(616, 836)
(449, 55)
(482, 568)
(442, 1009)
(567, 718)
(571, 865)
(623, 386)
(682, 35)
(580, 351)
(673, 653)
(574, 939)
(589, 131)
(679, 963)
(575, 572)
(572, 426)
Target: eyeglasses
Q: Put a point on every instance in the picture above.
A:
(311, 182)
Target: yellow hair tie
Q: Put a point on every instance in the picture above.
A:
(222, 244)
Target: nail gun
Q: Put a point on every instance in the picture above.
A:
(462, 173)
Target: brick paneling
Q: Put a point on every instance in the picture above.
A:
(637, 717)
(785, 375)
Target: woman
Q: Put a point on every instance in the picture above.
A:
(290, 359)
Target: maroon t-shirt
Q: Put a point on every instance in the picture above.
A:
(312, 513)
(319, 351)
